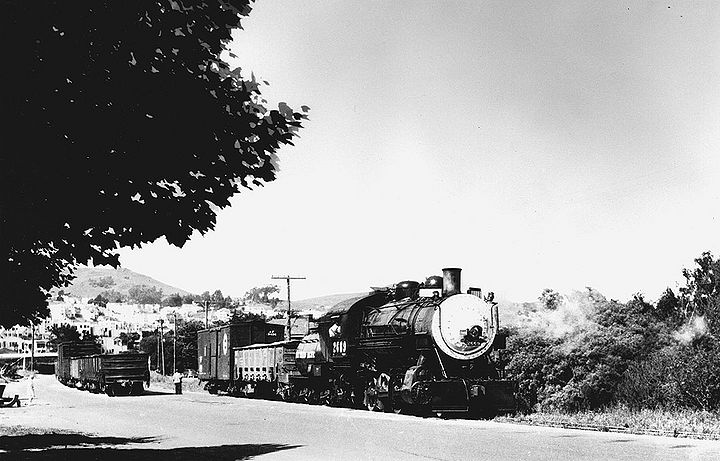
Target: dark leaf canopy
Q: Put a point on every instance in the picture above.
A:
(121, 125)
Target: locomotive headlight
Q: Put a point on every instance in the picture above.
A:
(457, 326)
(475, 332)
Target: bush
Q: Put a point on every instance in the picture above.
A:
(682, 376)
(646, 383)
(583, 367)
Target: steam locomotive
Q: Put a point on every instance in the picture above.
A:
(413, 347)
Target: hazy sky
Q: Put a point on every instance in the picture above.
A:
(534, 144)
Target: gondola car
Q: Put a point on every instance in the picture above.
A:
(113, 374)
(80, 364)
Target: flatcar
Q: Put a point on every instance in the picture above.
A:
(413, 347)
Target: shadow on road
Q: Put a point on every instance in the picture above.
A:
(54, 439)
(81, 447)
(156, 392)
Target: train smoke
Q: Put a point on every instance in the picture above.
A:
(572, 316)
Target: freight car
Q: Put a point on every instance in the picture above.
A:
(66, 351)
(113, 374)
(414, 347)
(216, 360)
(81, 365)
(265, 370)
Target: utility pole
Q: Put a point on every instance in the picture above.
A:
(157, 361)
(162, 347)
(287, 278)
(206, 313)
(32, 346)
(174, 341)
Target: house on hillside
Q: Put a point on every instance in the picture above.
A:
(112, 345)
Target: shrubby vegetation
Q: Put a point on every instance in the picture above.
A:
(143, 294)
(589, 353)
(102, 282)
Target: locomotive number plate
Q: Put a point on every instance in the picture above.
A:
(339, 347)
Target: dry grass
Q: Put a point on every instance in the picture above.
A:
(6, 431)
(166, 382)
(681, 423)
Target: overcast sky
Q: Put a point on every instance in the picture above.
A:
(533, 144)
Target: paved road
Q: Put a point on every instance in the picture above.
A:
(160, 425)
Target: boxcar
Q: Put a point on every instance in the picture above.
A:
(215, 350)
(68, 350)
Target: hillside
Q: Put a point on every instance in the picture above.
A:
(321, 303)
(91, 281)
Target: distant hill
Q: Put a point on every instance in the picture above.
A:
(322, 303)
(91, 281)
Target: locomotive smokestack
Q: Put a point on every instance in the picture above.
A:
(451, 281)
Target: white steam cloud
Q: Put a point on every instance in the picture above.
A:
(695, 328)
(572, 316)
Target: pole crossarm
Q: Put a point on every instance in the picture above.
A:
(288, 327)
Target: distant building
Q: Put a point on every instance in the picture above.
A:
(112, 345)
(300, 326)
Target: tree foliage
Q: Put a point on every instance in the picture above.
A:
(113, 296)
(214, 301)
(675, 377)
(130, 340)
(189, 299)
(102, 282)
(122, 124)
(583, 368)
(143, 294)
(63, 333)
(550, 299)
(701, 293)
(641, 355)
(99, 300)
(173, 300)
(185, 347)
(261, 295)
